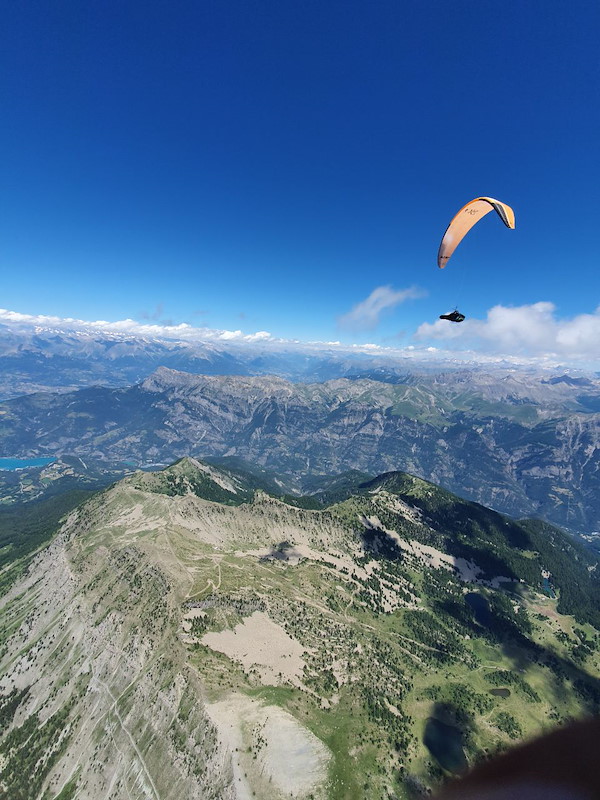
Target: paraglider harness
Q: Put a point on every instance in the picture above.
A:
(454, 316)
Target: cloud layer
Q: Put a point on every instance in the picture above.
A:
(366, 314)
(530, 330)
(183, 332)
(530, 335)
(166, 330)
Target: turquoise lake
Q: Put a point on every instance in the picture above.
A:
(23, 463)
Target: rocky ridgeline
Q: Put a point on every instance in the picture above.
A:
(522, 444)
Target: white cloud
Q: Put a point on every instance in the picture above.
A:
(530, 335)
(365, 315)
(523, 331)
(182, 331)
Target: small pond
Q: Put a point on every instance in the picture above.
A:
(444, 742)
(547, 587)
(500, 692)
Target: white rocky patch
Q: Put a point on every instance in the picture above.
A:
(290, 760)
(411, 513)
(216, 475)
(263, 645)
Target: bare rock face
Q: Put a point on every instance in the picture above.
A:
(98, 693)
(106, 700)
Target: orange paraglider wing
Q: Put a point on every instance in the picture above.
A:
(464, 220)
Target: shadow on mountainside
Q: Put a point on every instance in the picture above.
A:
(380, 545)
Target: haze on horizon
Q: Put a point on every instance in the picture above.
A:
(286, 172)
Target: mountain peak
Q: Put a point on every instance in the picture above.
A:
(165, 378)
(398, 482)
(191, 476)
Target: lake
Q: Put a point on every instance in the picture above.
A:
(444, 742)
(22, 463)
(480, 608)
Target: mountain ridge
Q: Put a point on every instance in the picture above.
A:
(526, 454)
(202, 636)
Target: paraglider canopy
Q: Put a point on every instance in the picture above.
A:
(464, 220)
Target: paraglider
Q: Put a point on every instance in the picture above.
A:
(454, 316)
(463, 221)
(461, 224)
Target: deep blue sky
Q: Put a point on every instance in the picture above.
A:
(266, 165)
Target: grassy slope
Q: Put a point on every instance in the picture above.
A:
(435, 660)
(389, 641)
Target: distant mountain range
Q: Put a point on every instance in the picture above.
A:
(48, 359)
(32, 360)
(185, 635)
(520, 443)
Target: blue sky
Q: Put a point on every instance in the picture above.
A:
(268, 166)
